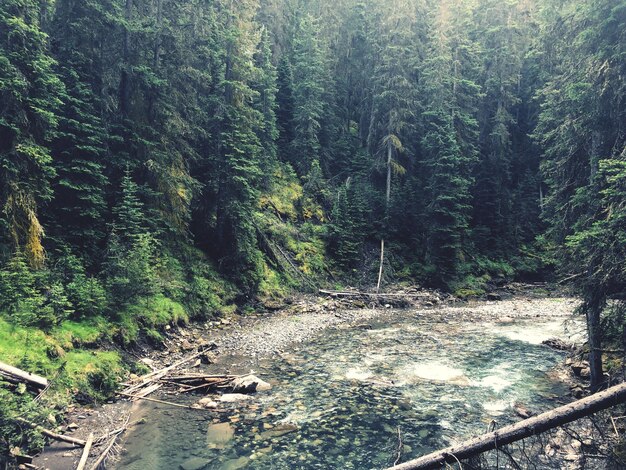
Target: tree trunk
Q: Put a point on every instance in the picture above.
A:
(124, 78)
(157, 39)
(380, 267)
(51, 434)
(387, 199)
(515, 432)
(593, 307)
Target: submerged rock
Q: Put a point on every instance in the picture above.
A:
(219, 434)
(236, 464)
(194, 463)
(207, 402)
(277, 431)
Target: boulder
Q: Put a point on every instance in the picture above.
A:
(558, 344)
(249, 384)
(580, 369)
(493, 296)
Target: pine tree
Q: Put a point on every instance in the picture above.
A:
(285, 108)
(131, 259)
(393, 101)
(30, 93)
(79, 147)
(266, 87)
(308, 90)
(581, 131)
(504, 33)
(450, 137)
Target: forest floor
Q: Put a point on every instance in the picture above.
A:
(270, 333)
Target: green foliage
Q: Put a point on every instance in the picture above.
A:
(308, 89)
(18, 290)
(347, 230)
(93, 373)
(148, 316)
(14, 435)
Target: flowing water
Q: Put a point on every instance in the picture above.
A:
(345, 398)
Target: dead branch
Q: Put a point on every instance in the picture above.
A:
(52, 434)
(399, 447)
(83, 458)
(104, 453)
(150, 378)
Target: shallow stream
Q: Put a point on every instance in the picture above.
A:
(343, 399)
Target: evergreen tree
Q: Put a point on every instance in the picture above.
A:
(79, 147)
(30, 95)
(285, 108)
(308, 90)
(581, 130)
(449, 142)
(131, 259)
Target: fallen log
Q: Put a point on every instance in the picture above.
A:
(85, 455)
(52, 434)
(521, 430)
(13, 374)
(333, 293)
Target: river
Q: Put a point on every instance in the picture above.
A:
(346, 397)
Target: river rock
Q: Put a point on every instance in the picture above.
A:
(234, 397)
(277, 431)
(194, 463)
(219, 434)
(581, 369)
(249, 384)
(558, 344)
(207, 402)
(236, 464)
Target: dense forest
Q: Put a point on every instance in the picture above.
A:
(162, 160)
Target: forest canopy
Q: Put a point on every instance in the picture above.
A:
(202, 152)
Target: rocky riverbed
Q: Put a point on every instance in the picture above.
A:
(254, 341)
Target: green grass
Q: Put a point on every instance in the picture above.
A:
(81, 333)
(68, 368)
(148, 316)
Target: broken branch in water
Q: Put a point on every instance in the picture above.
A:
(85, 455)
(115, 433)
(399, 447)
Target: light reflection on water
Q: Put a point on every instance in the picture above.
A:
(350, 390)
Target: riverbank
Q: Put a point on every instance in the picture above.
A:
(254, 337)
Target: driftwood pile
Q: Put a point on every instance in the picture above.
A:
(171, 379)
(109, 438)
